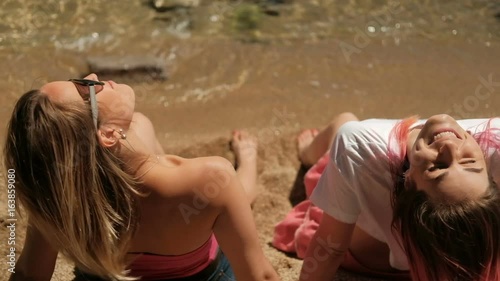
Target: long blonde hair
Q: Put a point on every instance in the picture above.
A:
(75, 191)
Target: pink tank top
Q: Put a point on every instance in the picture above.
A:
(154, 267)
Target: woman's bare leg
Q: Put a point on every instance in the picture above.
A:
(244, 147)
(312, 145)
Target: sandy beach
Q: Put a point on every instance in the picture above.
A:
(273, 89)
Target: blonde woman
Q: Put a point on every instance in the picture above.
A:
(98, 188)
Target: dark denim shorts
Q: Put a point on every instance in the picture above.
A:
(218, 270)
(223, 271)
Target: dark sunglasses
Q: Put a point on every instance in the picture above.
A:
(88, 90)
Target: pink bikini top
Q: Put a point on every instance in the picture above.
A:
(153, 267)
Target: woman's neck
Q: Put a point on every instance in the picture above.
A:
(135, 154)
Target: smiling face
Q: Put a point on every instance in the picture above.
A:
(446, 162)
(116, 102)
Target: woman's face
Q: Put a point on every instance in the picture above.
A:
(446, 162)
(116, 102)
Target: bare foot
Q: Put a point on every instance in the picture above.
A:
(304, 140)
(244, 147)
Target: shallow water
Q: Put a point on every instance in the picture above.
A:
(111, 25)
(373, 57)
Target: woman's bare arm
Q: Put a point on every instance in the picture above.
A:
(224, 209)
(326, 250)
(235, 228)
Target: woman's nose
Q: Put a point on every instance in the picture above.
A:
(92, 76)
(448, 151)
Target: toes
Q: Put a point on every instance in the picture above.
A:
(244, 145)
(315, 132)
(303, 134)
(304, 139)
(307, 134)
(242, 139)
(243, 134)
(236, 135)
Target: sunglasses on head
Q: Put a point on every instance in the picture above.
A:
(88, 90)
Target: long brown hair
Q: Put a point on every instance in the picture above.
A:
(75, 191)
(443, 241)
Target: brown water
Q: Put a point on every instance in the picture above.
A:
(86, 25)
(375, 58)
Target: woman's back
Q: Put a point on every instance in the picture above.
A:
(104, 189)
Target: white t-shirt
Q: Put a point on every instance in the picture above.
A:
(356, 185)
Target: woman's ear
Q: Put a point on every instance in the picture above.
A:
(408, 178)
(107, 137)
(493, 165)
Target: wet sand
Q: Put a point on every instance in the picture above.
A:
(275, 90)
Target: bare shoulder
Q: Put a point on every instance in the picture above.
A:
(211, 163)
(142, 124)
(141, 119)
(178, 176)
(200, 165)
(204, 170)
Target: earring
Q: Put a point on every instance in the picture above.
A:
(122, 134)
